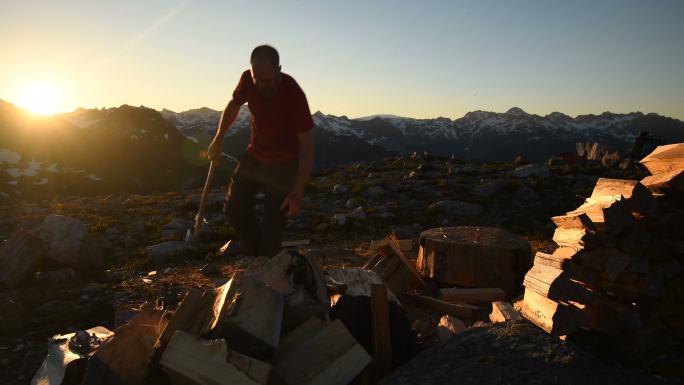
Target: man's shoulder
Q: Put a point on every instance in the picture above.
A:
(291, 82)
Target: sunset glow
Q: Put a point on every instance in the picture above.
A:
(40, 98)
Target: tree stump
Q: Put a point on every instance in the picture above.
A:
(470, 256)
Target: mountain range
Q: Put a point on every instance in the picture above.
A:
(477, 136)
(139, 149)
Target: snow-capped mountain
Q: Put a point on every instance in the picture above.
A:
(479, 135)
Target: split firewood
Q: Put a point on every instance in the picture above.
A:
(665, 181)
(555, 284)
(503, 312)
(192, 360)
(665, 158)
(382, 344)
(637, 197)
(320, 353)
(392, 266)
(448, 327)
(128, 352)
(358, 282)
(556, 318)
(610, 213)
(299, 280)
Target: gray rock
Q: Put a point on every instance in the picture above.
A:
(340, 189)
(338, 220)
(487, 189)
(213, 200)
(350, 203)
(407, 231)
(112, 233)
(383, 215)
(63, 236)
(57, 278)
(322, 227)
(357, 214)
(176, 229)
(458, 208)
(539, 170)
(137, 228)
(525, 193)
(161, 252)
(373, 192)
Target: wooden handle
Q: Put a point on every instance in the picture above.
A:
(205, 192)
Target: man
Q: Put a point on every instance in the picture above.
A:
(279, 157)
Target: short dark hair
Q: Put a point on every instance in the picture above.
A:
(266, 52)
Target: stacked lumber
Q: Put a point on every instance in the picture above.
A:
(619, 268)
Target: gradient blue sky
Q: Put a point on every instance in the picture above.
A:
(355, 58)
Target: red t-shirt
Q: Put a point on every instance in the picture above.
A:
(276, 120)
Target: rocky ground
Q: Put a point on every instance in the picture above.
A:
(345, 208)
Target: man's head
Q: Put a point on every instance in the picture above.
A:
(265, 63)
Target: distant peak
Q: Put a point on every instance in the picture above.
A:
(516, 111)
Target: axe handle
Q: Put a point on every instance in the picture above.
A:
(205, 192)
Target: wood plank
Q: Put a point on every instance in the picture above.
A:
(327, 355)
(462, 310)
(203, 362)
(503, 312)
(472, 295)
(382, 344)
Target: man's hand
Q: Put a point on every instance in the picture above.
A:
(214, 151)
(292, 203)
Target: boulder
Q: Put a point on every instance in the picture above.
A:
(63, 237)
(161, 252)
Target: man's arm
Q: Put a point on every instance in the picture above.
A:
(293, 201)
(228, 117)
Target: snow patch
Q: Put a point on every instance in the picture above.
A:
(9, 156)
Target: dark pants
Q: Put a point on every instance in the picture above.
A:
(250, 177)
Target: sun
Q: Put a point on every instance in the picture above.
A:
(39, 98)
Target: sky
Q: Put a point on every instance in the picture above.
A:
(420, 59)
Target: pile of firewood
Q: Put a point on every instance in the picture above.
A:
(619, 268)
(281, 321)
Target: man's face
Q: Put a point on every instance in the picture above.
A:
(264, 74)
